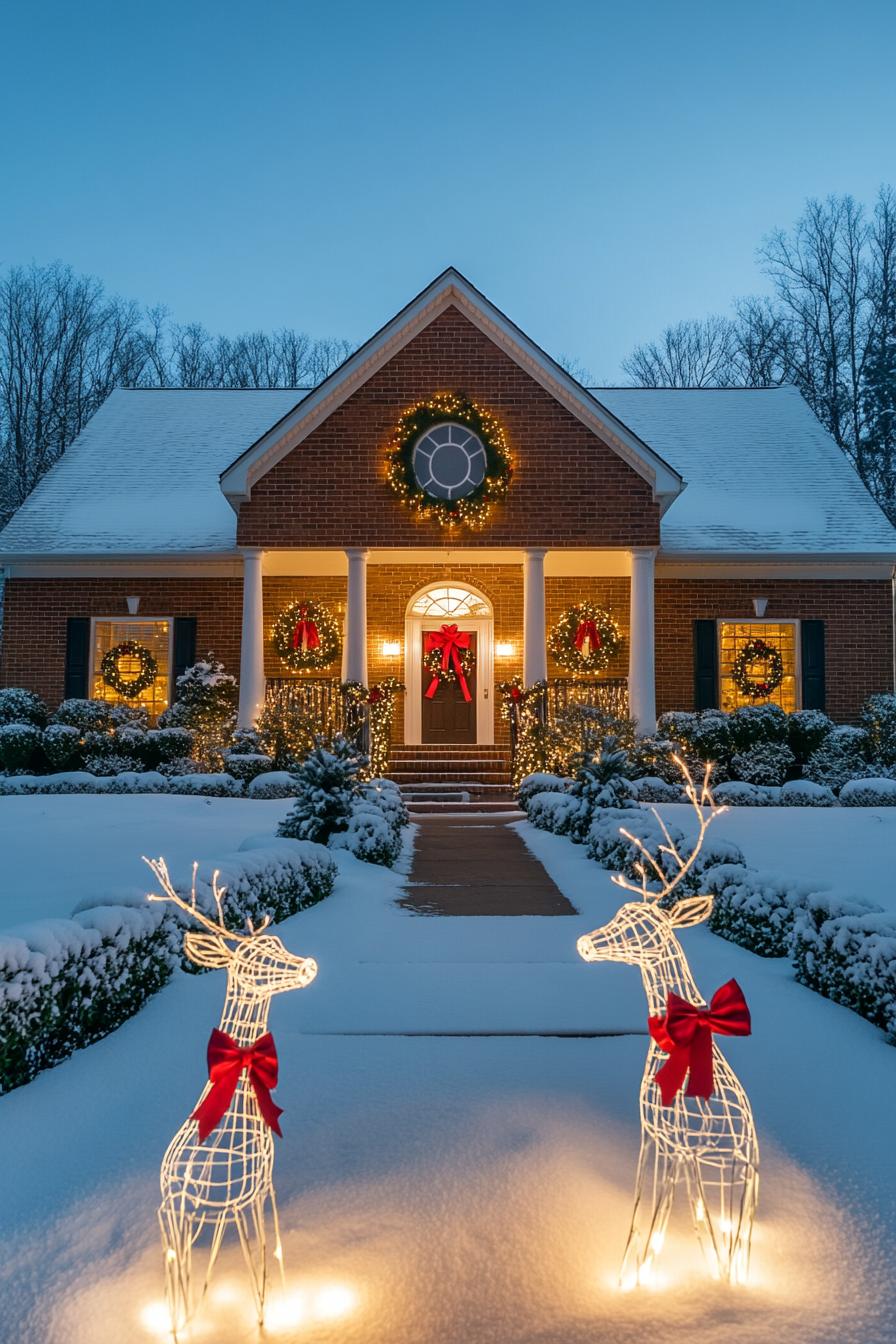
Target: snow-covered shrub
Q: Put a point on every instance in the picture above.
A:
(705, 736)
(878, 720)
(100, 716)
(180, 765)
(734, 793)
(60, 743)
(850, 957)
(806, 730)
(73, 781)
(136, 781)
(272, 784)
(560, 813)
(211, 786)
(276, 879)
(600, 778)
(327, 784)
(652, 756)
(766, 764)
(161, 746)
(840, 757)
(677, 726)
(611, 849)
(754, 909)
(110, 763)
(18, 744)
(245, 765)
(205, 703)
(752, 724)
(386, 795)
(804, 793)
(869, 792)
(369, 835)
(20, 706)
(654, 790)
(67, 982)
(540, 781)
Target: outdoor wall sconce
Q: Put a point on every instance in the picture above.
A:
(391, 648)
(133, 605)
(759, 606)
(503, 649)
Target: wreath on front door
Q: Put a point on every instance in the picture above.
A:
(306, 636)
(757, 651)
(585, 638)
(130, 685)
(447, 656)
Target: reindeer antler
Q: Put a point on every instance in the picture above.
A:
(667, 884)
(191, 907)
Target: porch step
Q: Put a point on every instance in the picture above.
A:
(445, 787)
(407, 778)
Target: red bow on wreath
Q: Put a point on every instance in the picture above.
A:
(587, 631)
(449, 639)
(226, 1061)
(686, 1032)
(305, 634)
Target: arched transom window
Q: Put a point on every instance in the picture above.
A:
(449, 602)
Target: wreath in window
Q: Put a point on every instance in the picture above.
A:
(585, 638)
(448, 459)
(771, 669)
(306, 636)
(127, 683)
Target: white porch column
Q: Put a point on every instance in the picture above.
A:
(355, 661)
(535, 654)
(251, 642)
(641, 665)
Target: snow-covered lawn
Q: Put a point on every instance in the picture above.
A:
(449, 1189)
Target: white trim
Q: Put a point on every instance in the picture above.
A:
(131, 620)
(414, 626)
(450, 289)
(795, 621)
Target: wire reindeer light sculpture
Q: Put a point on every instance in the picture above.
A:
(218, 1168)
(702, 1133)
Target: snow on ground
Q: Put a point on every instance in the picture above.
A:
(457, 1190)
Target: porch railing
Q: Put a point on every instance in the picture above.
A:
(559, 695)
(321, 700)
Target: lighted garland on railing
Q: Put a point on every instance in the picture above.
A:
(473, 509)
(523, 707)
(757, 651)
(585, 638)
(380, 702)
(306, 636)
(134, 685)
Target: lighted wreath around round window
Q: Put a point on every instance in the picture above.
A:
(584, 639)
(124, 680)
(448, 460)
(306, 636)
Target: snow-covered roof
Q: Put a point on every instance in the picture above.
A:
(142, 476)
(763, 476)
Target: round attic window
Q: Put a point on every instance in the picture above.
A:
(449, 461)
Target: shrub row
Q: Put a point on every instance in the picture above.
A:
(65, 983)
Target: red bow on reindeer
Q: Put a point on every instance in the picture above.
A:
(449, 639)
(686, 1032)
(226, 1061)
(304, 635)
(587, 631)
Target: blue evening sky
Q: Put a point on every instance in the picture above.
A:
(599, 170)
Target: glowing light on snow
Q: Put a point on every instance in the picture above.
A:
(227, 1177)
(706, 1143)
(333, 1301)
(305, 1306)
(156, 1319)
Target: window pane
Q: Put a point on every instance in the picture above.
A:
(450, 603)
(781, 635)
(153, 635)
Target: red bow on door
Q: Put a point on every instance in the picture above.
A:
(587, 630)
(686, 1032)
(304, 635)
(449, 639)
(226, 1061)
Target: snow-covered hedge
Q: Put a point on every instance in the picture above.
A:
(558, 812)
(65, 983)
(869, 793)
(652, 789)
(758, 909)
(734, 793)
(805, 793)
(539, 782)
(850, 958)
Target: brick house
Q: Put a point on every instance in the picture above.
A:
(701, 520)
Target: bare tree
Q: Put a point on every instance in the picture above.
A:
(700, 352)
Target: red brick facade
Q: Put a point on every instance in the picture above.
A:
(569, 489)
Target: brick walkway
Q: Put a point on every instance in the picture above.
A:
(478, 867)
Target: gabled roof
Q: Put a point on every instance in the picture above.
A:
(764, 477)
(450, 289)
(142, 477)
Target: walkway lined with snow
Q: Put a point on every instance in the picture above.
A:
(446, 1190)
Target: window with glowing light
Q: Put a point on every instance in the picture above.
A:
(450, 603)
(152, 635)
(449, 461)
(779, 635)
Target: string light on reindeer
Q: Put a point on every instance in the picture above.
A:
(699, 1133)
(218, 1168)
